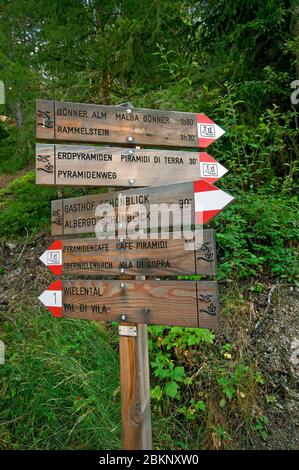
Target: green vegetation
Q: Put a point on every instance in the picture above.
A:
(59, 386)
(27, 206)
(233, 61)
(24, 205)
(257, 235)
(209, 385)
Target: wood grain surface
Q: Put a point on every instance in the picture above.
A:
(78, 215)
(135, 390)
(183, 303)
(161, 257)
(75, 165)
(79, 122)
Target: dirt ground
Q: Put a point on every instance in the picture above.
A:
(6, 178)
(275, 345)
(274, 333)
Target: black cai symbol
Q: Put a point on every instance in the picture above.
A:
(46, 120)
(210, 310)
(56, 217)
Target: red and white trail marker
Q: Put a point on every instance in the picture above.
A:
(210, 169)
(208, 201)
(207, 130)
(52, 298)
(52, 257)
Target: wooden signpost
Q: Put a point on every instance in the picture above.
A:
(116, 166)
(156, 257)
(78, 122)
(80, 215)
(174, 189)
(181, 303)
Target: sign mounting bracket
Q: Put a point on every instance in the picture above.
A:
(126, 330)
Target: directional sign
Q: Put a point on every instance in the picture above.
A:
(172, 202)
(183, 303)
(116, 166)
(156, 257)
(79, 122)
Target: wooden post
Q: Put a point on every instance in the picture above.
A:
(135, 385)
(135, 390)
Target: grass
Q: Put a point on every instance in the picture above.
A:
(59, 386)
